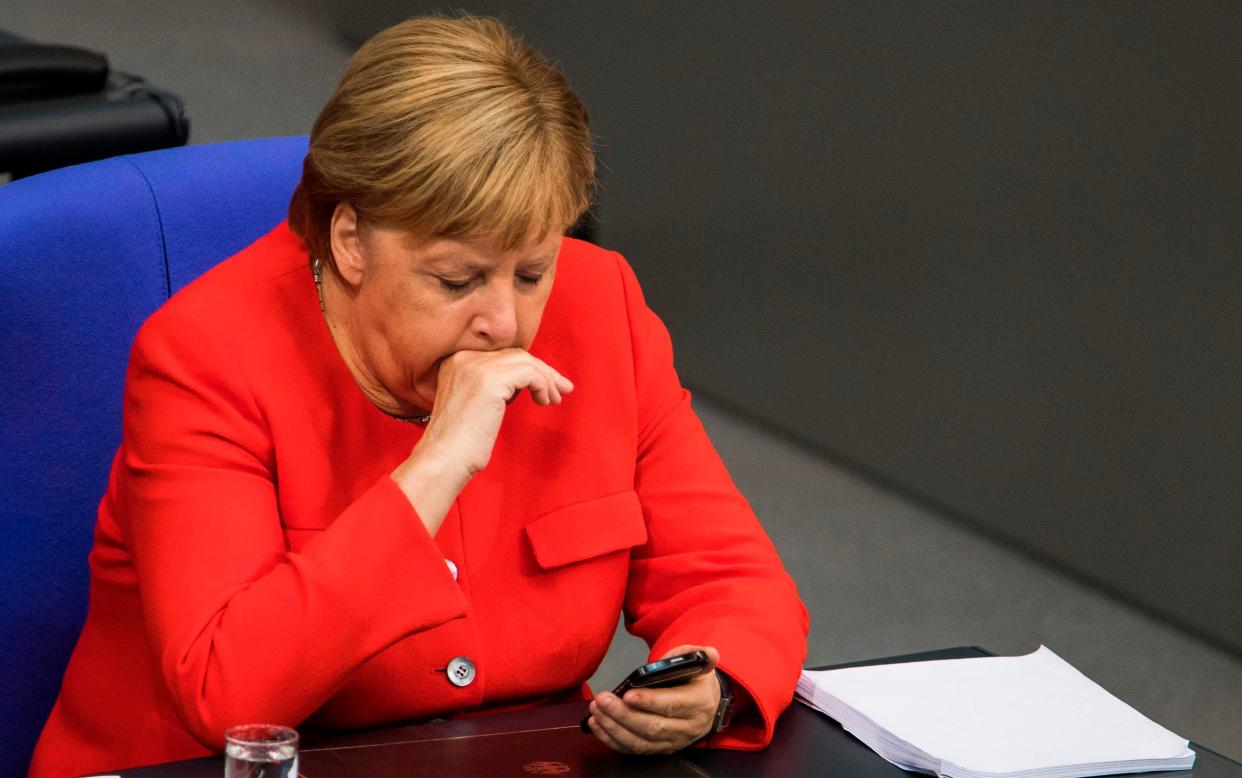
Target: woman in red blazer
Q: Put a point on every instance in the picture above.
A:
(412, 453)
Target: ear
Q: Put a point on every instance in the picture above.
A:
(347, 249)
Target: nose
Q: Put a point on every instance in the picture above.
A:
(496, 320)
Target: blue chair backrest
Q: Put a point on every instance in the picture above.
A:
(86, 254)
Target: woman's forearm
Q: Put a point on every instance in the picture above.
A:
(431, 483)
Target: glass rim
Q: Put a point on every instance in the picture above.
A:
(279, 734)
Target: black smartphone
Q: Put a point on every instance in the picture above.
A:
(671, 671)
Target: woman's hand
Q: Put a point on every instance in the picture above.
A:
(659, 721)
(472, 390)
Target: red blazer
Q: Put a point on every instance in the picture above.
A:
(253, 561)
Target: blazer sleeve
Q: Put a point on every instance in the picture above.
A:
(708, 574)
(242, 629)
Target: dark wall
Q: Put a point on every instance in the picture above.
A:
(987, 251)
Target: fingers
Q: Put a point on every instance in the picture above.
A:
(634, 732)
(696, 699)
(544, 385)
(607, 739)
(555, 385)
(656, 721)
(511, 370)
(472, 392)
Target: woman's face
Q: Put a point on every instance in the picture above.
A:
(412, 304)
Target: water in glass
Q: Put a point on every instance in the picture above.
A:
(267, 760)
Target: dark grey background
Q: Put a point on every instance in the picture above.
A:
(987, 252)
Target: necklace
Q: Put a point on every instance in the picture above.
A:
(317, 271)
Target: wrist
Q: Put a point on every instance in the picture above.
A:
(431, 484)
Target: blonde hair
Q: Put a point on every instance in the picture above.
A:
(448, 127)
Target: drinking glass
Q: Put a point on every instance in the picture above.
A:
(260, 751)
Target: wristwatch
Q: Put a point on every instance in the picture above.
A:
(724, 711)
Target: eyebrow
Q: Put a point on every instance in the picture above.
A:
(457, 262)
(454, 262)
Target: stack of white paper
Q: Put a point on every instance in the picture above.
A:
(1030, 716)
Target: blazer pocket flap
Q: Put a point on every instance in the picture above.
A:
(587, 529)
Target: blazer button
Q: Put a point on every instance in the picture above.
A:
(461, 671)
(452, 568)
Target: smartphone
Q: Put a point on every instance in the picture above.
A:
(672, 671)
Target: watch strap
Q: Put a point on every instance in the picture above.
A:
(724, 710)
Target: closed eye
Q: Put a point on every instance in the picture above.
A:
(461, 286)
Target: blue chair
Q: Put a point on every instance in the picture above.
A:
(86, 254)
